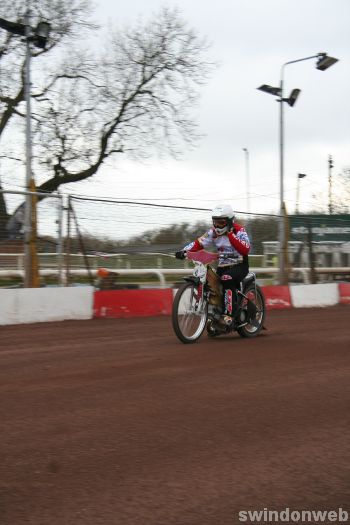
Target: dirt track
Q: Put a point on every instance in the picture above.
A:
(115, 422)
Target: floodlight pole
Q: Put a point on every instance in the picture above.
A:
(324, 62)
(247, 170)
(28, 208)
(39, 38)
(283, 278)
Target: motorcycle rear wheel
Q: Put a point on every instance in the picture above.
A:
(254, 327)
(190, 313)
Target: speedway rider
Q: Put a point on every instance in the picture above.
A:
(232, 244)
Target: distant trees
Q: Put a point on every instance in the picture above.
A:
(335, 197)
(262, 229)
(168, 238)
(176, 234)
(341, 192)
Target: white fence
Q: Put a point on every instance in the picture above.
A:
(12, 266)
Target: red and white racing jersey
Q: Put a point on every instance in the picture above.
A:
(232, 247)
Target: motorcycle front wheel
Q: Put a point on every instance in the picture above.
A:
(190, 313)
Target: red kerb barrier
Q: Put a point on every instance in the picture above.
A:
(149, 302)
(277, 297)
(133, 303)
(344, 293)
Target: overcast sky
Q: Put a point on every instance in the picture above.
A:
(251, 39)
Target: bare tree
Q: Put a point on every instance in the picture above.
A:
(338, 197)
(69, 19)
(342, 191)
(136, 97)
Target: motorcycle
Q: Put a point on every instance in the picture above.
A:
(198, 303)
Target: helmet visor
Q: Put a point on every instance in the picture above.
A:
(219, 223)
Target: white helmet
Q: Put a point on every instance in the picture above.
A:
(223, 217)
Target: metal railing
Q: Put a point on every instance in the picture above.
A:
(161, 273)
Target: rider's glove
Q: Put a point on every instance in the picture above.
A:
(180, 254)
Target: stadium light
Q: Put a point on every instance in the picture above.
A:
(324, 62)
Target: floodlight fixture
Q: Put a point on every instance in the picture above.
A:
(301, 175)
(13, 27)
(325, 61)
(270, 89)
(38, 36)
(293, 97)
(41, 34)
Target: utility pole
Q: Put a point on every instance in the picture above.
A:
(38, 37)
(330, 167)
(28, 222)
(247, 171)
(300, 176)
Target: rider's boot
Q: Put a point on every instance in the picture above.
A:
(232, 320)
(225, 321)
